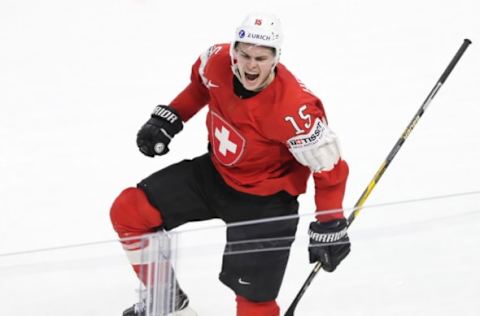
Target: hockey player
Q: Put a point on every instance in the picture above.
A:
(267, 135)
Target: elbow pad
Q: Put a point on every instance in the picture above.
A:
(318, 149)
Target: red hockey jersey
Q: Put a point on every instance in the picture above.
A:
(249, 136)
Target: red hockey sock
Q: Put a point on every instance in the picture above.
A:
(250, 308)
(132, 215)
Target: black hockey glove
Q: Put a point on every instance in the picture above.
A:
(329, 243)
(155, 135)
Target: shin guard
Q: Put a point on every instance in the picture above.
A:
(132, 216)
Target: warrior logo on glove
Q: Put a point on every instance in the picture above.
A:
(155, 135)
(165, 113)
(329, 243)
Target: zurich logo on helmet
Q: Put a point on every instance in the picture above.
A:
(241, 34)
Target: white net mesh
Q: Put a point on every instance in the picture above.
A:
(158, 295)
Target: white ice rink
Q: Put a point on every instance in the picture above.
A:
(77, 80)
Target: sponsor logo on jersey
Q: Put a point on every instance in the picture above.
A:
(227, 143)
(311, 138)
(210, 84)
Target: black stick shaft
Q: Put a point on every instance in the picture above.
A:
(366, 193)
(407, 131)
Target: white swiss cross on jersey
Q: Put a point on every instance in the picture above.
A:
(228, 144)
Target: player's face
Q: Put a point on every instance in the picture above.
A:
(255, 65)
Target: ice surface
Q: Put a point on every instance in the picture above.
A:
(79, 78)
(418, 257)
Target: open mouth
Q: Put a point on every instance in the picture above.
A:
(251, 77)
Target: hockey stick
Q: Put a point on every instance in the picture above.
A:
(358, 206)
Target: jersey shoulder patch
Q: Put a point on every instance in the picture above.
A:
(206, 57)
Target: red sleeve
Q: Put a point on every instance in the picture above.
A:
(330, 190)
(193, 97)
(329, 185)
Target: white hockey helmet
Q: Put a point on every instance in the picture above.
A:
(261, 29)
